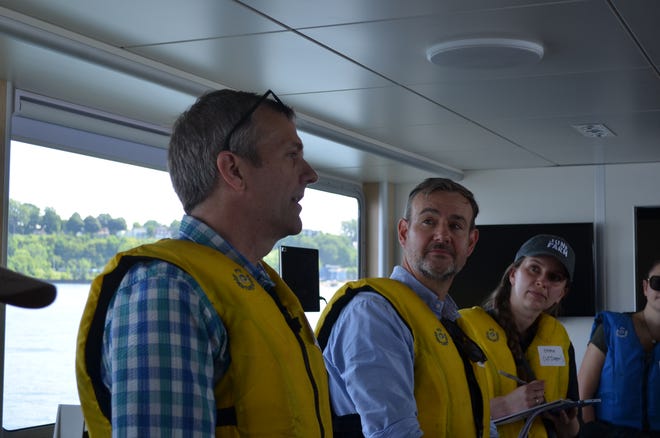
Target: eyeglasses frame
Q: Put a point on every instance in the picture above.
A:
(226, 145)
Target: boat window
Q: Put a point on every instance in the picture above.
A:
(69, 213)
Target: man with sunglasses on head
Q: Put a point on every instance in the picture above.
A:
(196, 336)
(621, 366)
(399, 365)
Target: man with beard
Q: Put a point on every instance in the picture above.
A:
(398, 364)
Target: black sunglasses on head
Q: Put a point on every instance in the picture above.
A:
(246, 116)
(654, 282)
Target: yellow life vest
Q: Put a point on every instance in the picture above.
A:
(550, 336)
(444, 399)
(276, 384)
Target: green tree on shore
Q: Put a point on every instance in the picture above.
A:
(46, 247)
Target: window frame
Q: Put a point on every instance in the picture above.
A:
(94, 133)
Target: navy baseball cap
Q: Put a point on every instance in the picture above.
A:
(549, 245)
(23, 291)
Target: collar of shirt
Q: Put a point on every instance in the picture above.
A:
(197, 231)
(442, 309)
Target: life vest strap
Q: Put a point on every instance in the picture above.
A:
(226, 417)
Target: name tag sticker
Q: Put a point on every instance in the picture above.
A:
(551, 356)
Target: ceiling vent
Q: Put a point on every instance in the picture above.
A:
(594, 130)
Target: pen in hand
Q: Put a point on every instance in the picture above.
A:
(512, 377)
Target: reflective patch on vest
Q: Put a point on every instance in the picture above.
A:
(621, 332)
(551, 356)
(243, 280)
(441, 336)
(492, 335)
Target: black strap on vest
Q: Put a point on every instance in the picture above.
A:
(469, 352)
(94, 344)
(337, 307)
(296, 326)
(347, 426)
(226, 417)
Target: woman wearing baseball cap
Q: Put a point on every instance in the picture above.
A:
(530, 356)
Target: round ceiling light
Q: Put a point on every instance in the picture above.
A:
(484, 53)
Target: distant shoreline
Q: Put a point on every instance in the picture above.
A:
(68, 281)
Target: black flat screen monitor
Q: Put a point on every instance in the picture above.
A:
(496, 249)
(299, 268)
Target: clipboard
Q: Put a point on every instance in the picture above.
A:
(552, 407)
(524, 433)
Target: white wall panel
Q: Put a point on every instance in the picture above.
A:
(604, 195)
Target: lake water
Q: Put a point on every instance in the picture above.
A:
(40, 349)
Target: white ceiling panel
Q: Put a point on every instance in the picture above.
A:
(636, 138)
(397, 48)
(367, 108)
(642, 17)
(551, 96)
(126, 23)
(356, 72)
(316, 13)
(437, 138)
(281, 61)
(395, 173)
(464, 148)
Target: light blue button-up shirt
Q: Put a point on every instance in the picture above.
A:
(370, 361)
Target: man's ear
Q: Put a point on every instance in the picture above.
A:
(230, 169)
(402, 231)
(473, 238)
